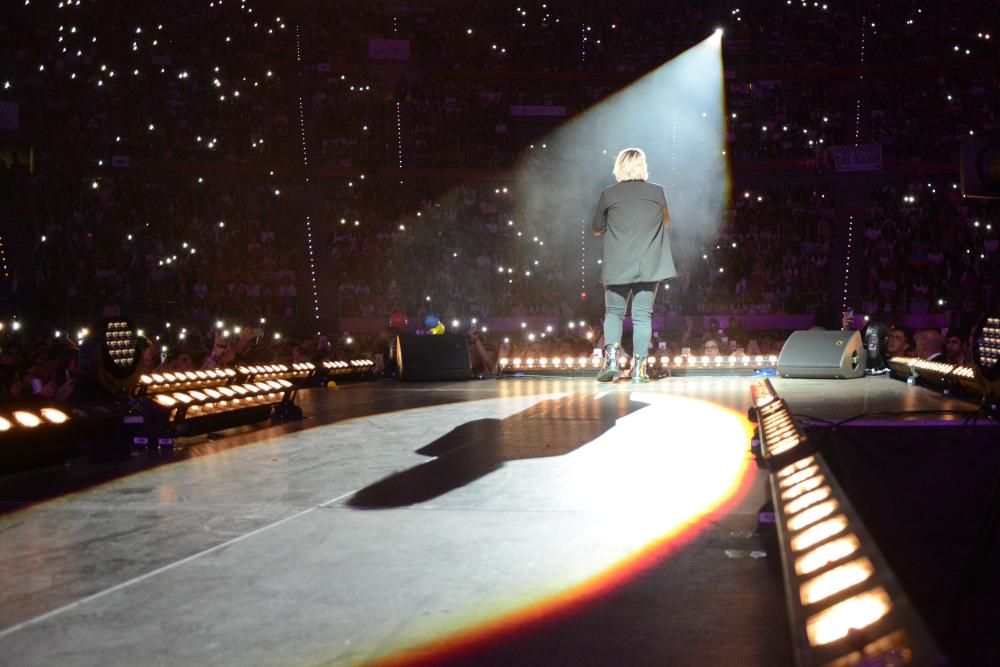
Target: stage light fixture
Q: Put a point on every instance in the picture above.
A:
(852, 614)
(802, 487)
(845, 605)
(986, 358)
(274, 371)
(812, 515)
(944, 377)
(807, 499)
(781, 440)
(823, 555)
(835, 580)
(555, 366)
(353, 370)
(818, 533)
(876, 337)
(30, 437)
(761, 393)
(716, 365)
(167, 416)
(154, 383)
(111, 361)
(798, 476)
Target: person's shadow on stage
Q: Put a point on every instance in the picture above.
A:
(477, 448)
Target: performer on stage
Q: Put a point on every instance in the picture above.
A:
(632, 217)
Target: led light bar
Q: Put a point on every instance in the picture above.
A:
(154, 383)
(356, 368)
(986, 362)
(31, 437)
(10, 423)
(845, 605)
(569, 366)
(274, 371)
(657, 366)
(193, 410)
(940, 376)
(781, 440)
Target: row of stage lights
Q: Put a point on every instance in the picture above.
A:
(981, 379)
(29, 419)
(680, 361)
(155, 383)
(225, 397)
(192, 402)
(845, 605)
(158, 407)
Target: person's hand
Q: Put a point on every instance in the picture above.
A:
(65, 391)
(49, 390)
(847, 321)
(246, 338)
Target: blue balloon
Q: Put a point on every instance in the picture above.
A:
(431, 321)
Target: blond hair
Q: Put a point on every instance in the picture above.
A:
(630, 165)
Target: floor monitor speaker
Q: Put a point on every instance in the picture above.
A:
(822, 354)
(430, 358)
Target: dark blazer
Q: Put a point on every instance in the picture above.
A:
(636, 246)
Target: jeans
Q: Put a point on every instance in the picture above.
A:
(616, 301)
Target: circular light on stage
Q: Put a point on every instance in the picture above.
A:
(656, 495)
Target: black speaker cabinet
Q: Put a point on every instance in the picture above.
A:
(822, 354)
(431, 358)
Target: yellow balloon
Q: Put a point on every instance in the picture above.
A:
(438, 329)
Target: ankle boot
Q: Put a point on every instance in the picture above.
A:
(609, 371)
(640, 374)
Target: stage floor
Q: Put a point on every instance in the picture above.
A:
(512, 521)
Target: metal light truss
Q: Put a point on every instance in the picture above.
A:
(845, 605)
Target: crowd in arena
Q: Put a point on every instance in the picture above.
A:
(926, 246)
(156, 245)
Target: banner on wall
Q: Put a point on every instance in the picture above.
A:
(859, 157)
